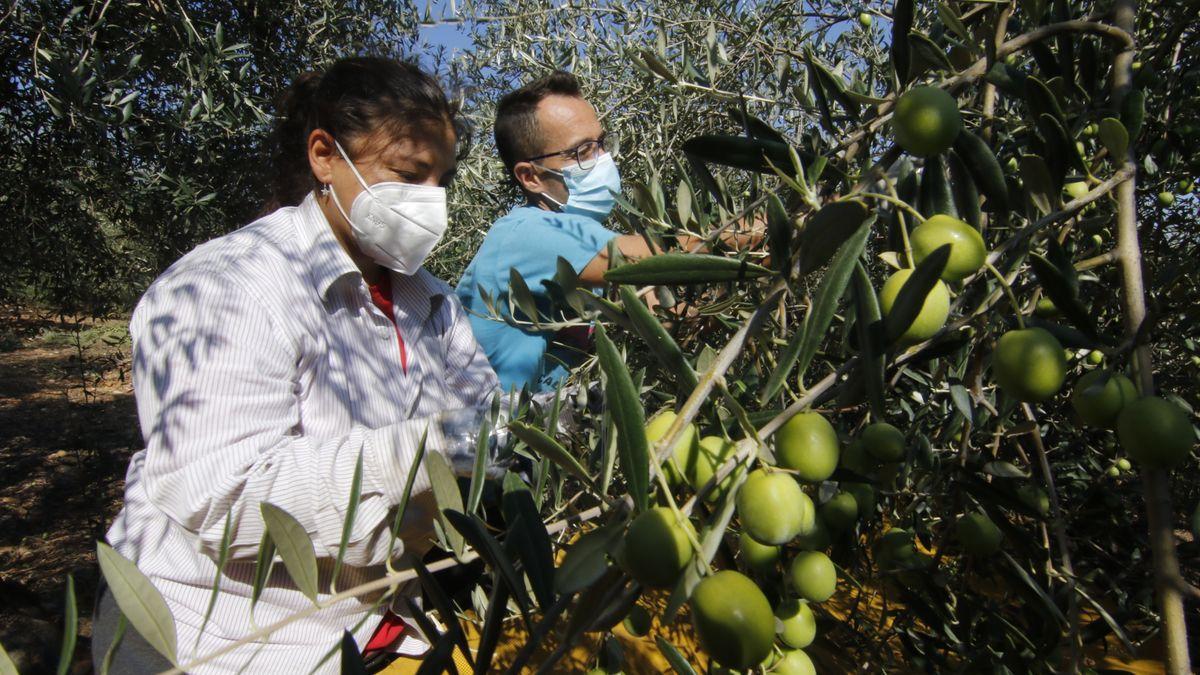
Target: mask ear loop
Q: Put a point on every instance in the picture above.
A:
(328, 190)
(552, 200)
(556, 172)
(361, 180)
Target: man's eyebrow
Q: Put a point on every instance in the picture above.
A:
(580, 140)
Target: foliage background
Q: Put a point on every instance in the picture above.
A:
(140, 129)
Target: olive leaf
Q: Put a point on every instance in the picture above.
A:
(473, 530)
(658, 67)
(683, 269)
(1133, 112)
(1115, 138)
(478, 475)
(586, 559)
(1038, 184)
(1089, 61)
(1007, 79)
(1059, 288)
(1001, 469)
(549, 448)
(966, 195)
(348, 520)
(446, 494)
(817, 86)
(493, 623)
(868, 326)
(528, 538)
(66, 652)
(755, 128)
(295, 547)
(7, 667)
(661, 344)
(779, 233)
(673, 657)
(445, 608)
(911, 298)
(683, 203)
(751, 154)
(804, 342)
(926, 55)
(1042, 101)
(629, 418)
(985, 170)
(264, 562)
(522, 297)
(950, 18)
(833, 85)
(827, 229)
(140, 602)
(352, 660)
(935, 196)
(903, 12)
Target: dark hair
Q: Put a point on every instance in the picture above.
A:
(516, 116)
(354, 98)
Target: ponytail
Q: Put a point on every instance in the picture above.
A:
(293, 123)
(356, 97)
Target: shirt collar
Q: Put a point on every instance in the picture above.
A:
(328, 261)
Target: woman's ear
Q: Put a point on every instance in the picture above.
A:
(322, 153)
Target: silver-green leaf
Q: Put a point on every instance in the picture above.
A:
(295, 547)
(139, 601)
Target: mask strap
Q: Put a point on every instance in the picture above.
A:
(352, 168)
(556, 172)
(336, 202)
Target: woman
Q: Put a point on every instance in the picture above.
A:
(269, 361)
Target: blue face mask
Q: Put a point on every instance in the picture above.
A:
(593, 192)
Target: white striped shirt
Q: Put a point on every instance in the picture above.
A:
(262, 369)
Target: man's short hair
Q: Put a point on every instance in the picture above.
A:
(517, 134)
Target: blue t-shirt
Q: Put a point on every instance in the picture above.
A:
(531, 240)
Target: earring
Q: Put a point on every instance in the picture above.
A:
(325, 190)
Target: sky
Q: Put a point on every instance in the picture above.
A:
(452, 36)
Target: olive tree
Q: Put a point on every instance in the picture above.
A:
(140, 129)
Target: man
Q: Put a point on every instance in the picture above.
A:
(556, 151)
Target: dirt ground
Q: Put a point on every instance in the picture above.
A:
(67, 428)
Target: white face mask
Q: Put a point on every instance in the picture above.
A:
(395, 224)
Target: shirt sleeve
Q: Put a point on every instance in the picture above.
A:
(470, 380)
(535, 246)
(215, 382)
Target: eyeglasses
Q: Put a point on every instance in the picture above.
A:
(586, 153)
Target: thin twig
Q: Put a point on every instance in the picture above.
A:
(1060, 536)
(387, 581)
